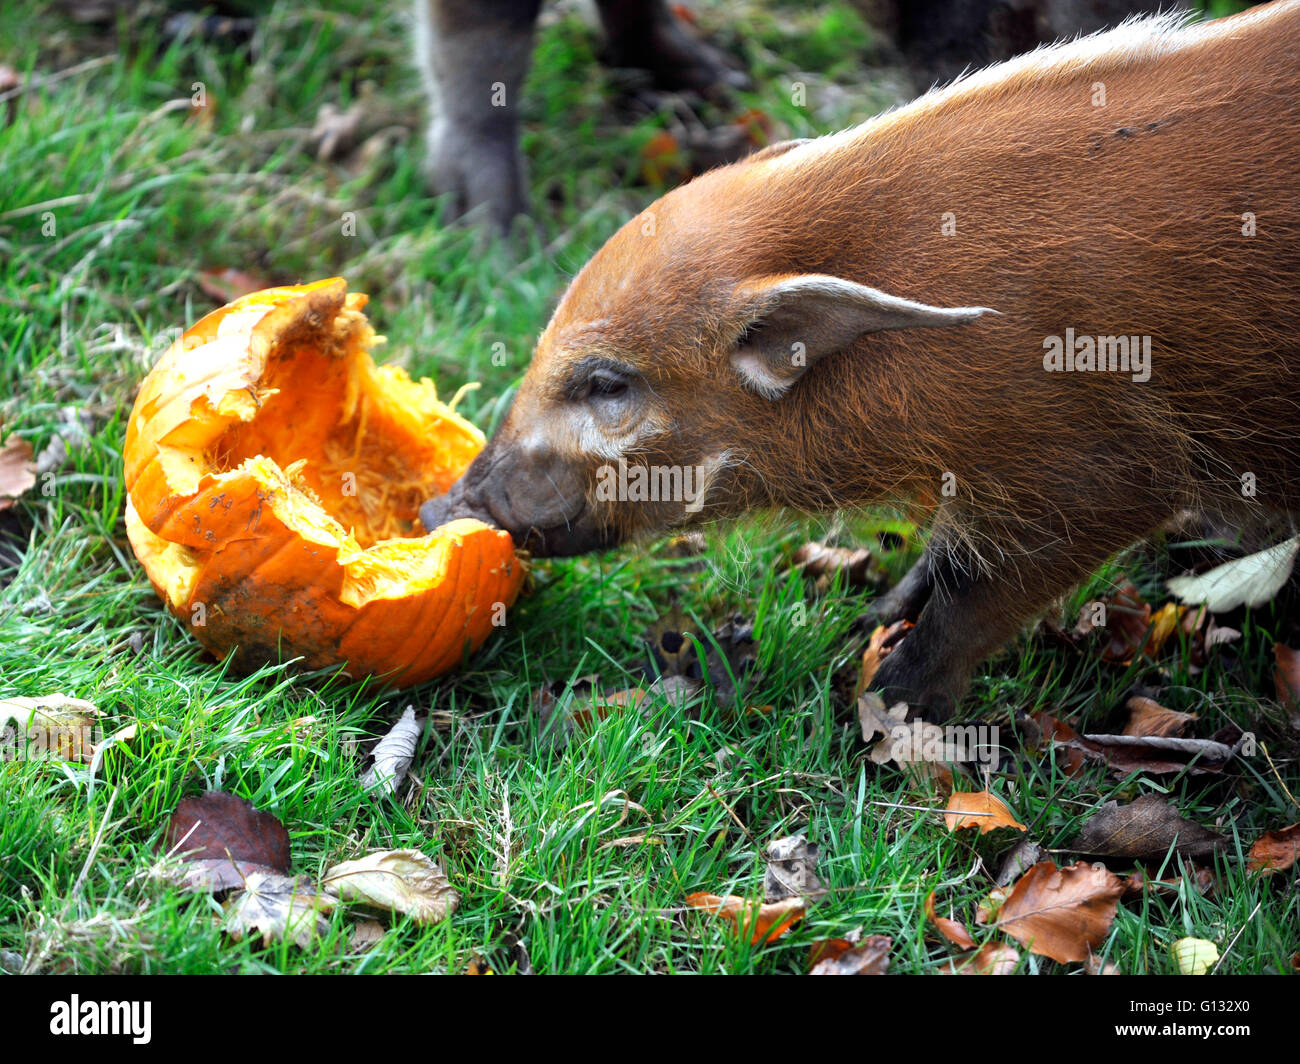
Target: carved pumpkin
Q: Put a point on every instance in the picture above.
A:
(274, 476)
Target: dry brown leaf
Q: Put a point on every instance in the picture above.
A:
(394, 753)
(855, 567)
(278, 907)
(1275, 851)
(1123, 754)
(993, 958)
(367, 934)
(1149, 717)
(953, 931)
(754, 921)
(1146, 828)
(1021, 858)
(225, 285)
(663, 162)
(400, 881)
(870, 957)
(223, 841)
(17, 470)
(831, 948)
(1286, 678)
(875, 720)
(882, 642)
(50, 727)
(1062, 913)
(790, 870)
(1094, 965)
(979, 809)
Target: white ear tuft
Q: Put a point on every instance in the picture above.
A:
(792, 322)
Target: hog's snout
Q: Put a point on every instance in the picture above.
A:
(539, 502)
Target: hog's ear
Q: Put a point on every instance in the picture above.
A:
(792, 322)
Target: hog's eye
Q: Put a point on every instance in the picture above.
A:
(606, 386)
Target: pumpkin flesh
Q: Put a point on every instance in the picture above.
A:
(275, 476)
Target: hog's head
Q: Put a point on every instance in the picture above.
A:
(678, 378)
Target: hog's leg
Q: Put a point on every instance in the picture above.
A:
(475, 55)
(973, 612)
(905, 600)
(646, 34)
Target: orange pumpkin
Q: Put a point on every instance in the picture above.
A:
(274, 476)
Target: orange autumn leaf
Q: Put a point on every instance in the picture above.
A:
(1062, 913)
(1275, 851)
(868, 957)
(993, 958)
(17, 470)
(950, 929)
(1286, 676)
(979, 809)
(1149, 717)
(753, 920)
(883, 640)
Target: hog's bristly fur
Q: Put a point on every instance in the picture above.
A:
(866, 316)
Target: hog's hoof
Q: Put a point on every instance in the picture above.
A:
(479, 172)
(928, 697)
(679, 61)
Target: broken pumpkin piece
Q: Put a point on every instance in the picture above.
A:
(274, 477)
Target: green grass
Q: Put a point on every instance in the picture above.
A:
(140, 200)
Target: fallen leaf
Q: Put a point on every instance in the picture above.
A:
(1286, 678)
(832, 948)
(855, 568)
(979, 809)
(1275, 851)
(223, 840)
(881, 644)
(227, 284)
(17, 470)
(1146, 828)
(1025, 854)
(46, 727)
(663, 162)
(1131, 628)
(1249, 581)
(986, 912)
(754, 921)
(401, 881)
(871, 957)
(993, 958)
(1062, 913)
(278, 908)
(953, 931)
(394, 753)
(1149, 717)
(1094, 965)
(1123, 754)
(1194, 956)
(790, 864)
(366, 935)
(875, 720)
(604, 705)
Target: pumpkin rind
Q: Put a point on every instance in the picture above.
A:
(274, 475)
